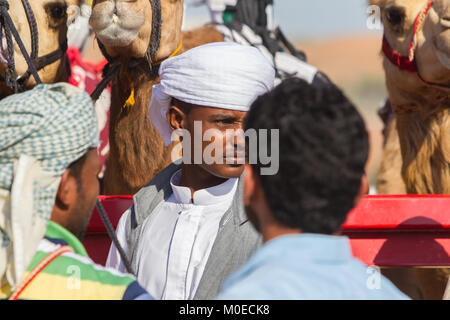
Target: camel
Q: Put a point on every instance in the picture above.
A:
(416, 159)
(124, 30)
(420, 99)
(51, 19)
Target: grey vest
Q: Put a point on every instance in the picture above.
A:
(234, 244)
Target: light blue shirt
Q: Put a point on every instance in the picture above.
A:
(307, 266)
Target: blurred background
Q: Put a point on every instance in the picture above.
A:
(336, 39)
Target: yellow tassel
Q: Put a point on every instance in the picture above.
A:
(130, 101)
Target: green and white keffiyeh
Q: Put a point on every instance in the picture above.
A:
(42, 131)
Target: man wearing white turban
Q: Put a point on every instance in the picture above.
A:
(48, 187)
(187, 229)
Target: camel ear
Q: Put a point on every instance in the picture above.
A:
(76, 3)
(73, 10)
(375, 2)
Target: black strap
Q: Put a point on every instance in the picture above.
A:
(52, 57)
(42, 62)
(155, 37)
(108, 74)
(34, 32)
(34, 62)
(112, 234)
(7, 25)
(253, 14)
(289, 46)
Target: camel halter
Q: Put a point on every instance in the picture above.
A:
(409, 63)
(113, 67)
(35, 63)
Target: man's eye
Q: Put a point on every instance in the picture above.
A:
(224, 121)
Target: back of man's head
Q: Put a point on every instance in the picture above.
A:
(323, 151)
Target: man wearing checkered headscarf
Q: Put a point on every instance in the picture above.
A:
(42, 132)
(49, 166)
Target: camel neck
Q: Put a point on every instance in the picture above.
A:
(425, 141)
(133, 138)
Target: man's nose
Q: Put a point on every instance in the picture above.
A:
(237, 138)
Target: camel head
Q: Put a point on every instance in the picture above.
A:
(51, 18)
(129, 28)
(431, 46)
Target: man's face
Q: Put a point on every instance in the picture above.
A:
(86, 195)
(221, 125)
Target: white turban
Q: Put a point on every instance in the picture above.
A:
(42, 131)
(222, 75)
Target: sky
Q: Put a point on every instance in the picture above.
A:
(305, 19)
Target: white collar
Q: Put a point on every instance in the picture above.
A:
(204, 197)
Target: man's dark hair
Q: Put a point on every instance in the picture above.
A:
(183, 106)
(323, 151)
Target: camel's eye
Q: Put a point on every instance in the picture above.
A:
(395, 16)
(57, 11)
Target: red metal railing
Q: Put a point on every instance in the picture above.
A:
(398, 231)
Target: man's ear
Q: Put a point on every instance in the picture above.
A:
(363, 189)
(249, 185)
(175, 117)
(67, 190)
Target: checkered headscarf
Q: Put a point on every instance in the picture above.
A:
(42, 131)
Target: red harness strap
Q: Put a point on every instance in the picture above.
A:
(418, 24)
(36, 270)
(407, 63)
(402, 62)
